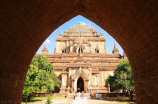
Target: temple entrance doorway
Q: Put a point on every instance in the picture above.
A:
(80, 85)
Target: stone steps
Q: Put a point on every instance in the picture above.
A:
(70, 95)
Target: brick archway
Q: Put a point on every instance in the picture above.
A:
(24, 25)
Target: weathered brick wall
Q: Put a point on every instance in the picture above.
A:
(24, 25)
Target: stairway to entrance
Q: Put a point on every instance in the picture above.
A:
(70, 95)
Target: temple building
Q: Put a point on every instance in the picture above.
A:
(80, 60)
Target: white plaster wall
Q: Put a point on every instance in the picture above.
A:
(75, 85)
(59, 45)
(101, 46)
(64, 81)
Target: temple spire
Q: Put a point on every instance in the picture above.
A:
(115, 50)
(68, 30)
(60, 35)
(45, 50)
(101, 34)
(65, 31)
(115, 45)
(95, 31)
(45, 46)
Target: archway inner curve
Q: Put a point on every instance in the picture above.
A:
(25, 25)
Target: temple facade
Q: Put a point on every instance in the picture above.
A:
(80, 60)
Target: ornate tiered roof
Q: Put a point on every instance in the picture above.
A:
(80, 30)
(81, 36)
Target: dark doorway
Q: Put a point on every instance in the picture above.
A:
(80, 50)
(80, 85)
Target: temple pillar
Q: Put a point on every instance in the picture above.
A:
(104, 48)
(86, 85)
(64, 90)
(71, 49)
(93, 47)
(97, 80)
(69, 74)
(90, 75)
(62, 80)
(73, 89)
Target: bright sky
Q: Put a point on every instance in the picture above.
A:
(51, 43)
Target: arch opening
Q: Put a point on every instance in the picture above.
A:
(80, 51)
(80, 85)
(134, 29)
(81, 43)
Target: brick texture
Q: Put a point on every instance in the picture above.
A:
(25, 24)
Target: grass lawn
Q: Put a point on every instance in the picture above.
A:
(126, 102)
(117, 100)
(38, 98)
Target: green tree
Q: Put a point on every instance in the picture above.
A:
(40, 77)
(122, 79)
(31, 82)
(49, 99)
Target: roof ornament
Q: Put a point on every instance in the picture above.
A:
(101, 34)
(115, 45)
(69, 30)
(45, 46)
(65, 31)
(60, 34)
(115, 50)
(45, 50)
(80, 23)
(95, 31)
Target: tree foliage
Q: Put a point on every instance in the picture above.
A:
(123, 78)
(40, 77)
